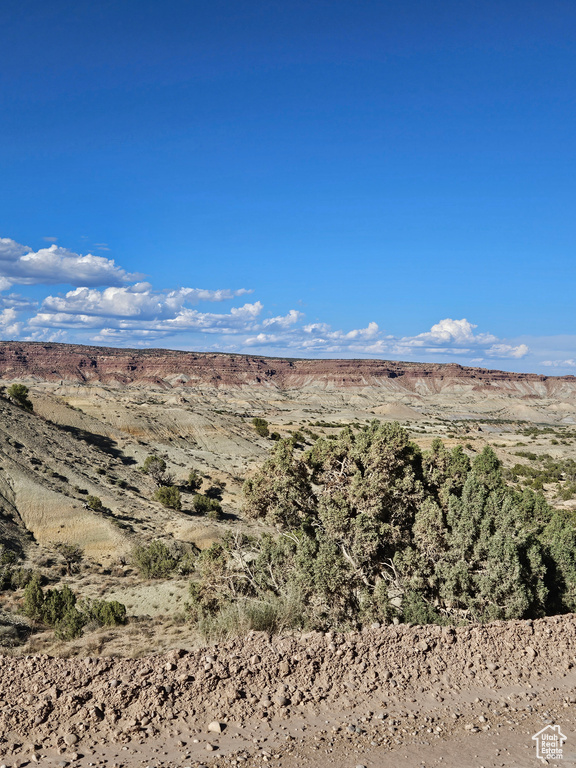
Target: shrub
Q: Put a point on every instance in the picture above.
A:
(70, 625)
(94, 503)
(215, 491)
(371, 528)
(155, 561)
(169, 496)
(237, 619)
(194, 480)
(261, 427)
(56, 608)
(56, 603)
(106, 613)
(71, 553)
(19, 394)
(13, 578)
(33, 599)
(155, 467)
(7, 556)
(207, 506)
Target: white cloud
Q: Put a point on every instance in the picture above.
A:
(262, 340)
(284, 321)
(115, 336)
(46, 334)
(8, 323)
(315, 337)
(570, 363)
(454, 338)
(508, 350)
(142, 311)
(54, 265)
(16, 301)
(449, 331)
(139, 301)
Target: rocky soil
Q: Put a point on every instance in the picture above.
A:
(396, 695)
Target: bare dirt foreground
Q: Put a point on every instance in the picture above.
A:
(390, 696)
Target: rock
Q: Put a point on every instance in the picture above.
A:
(282, 701)
(70, 739)
(216, 727)
(284, 667)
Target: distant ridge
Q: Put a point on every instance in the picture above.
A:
(172, 368)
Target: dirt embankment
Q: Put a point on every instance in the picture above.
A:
(365, 694)
(68, 362)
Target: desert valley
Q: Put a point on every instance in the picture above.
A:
(80, 508)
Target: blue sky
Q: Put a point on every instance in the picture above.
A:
(316, 179)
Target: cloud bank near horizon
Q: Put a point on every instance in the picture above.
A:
(109, 305)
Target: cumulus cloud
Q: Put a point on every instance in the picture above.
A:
(508, 350)
(449, 331)
(108, 305)
(9, 325)
(317, 337)
(284, 321)
(138, 301)
(53, 265)
(46, 334)
(569, 363)
(115, 336)
(142, 310)
(446, 337)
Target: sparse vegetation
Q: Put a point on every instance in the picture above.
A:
(155, 467)
(12, 575)
(18, 393)
(371, 528)
(194, 480)
(57, 608)
(94, 503)
(155, 561)
(71, 554)
(205, 505)
(103, 612)
(169, 496)
(261, 426)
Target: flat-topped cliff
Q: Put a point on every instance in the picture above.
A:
(75, 363)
